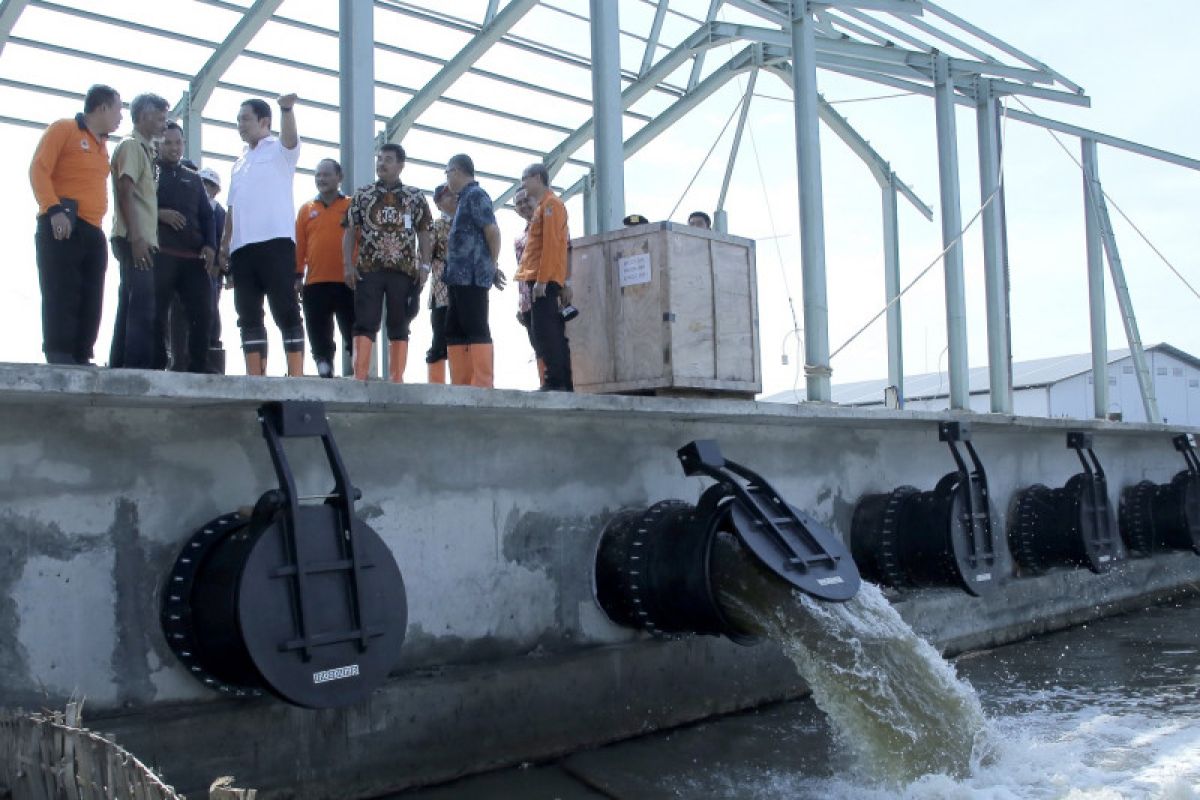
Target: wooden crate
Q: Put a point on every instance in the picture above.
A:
(665, 309)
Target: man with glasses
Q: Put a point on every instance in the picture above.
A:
(471, 271)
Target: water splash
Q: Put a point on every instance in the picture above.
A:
(891, 698)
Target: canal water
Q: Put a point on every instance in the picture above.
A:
(1106, 710)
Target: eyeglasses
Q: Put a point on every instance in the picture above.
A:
(450, 170)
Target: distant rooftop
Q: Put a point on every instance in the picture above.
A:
(933, 385)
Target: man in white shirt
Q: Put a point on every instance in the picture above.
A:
(259, 241)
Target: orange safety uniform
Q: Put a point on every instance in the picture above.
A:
(545, 256)
(71, 162)
(319, 230)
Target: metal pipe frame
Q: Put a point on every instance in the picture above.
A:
(956, 302)
(891, 285)
(608, 108)
(995, 286)
(812, 210)
(1124, 301)
(733, 151)
(1095, 278)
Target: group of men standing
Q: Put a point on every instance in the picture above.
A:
(361, 260)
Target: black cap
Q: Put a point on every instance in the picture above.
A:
(635, 219)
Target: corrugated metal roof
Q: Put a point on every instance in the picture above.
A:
(933, 385)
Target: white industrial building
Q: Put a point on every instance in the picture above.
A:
(1050, 387)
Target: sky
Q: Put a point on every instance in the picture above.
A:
(1134, 66)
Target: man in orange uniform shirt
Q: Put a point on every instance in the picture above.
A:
(319, 247)
(68, 174)
(544, 267)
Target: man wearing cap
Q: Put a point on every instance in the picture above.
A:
(544, 269)
(68, 175)
(258, 243)
(471, 272)
(386, 248)
(319, 267)
(216, 351)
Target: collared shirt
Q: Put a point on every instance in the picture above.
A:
(261, 193)
(439, 295)
(524, 290)
(319, 240)
(71, 162)
(545, 256)
(134, 159)
(180, 189)
(468, 260)
(387, 220)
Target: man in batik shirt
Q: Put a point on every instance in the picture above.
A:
(439, 295)
(389, 224)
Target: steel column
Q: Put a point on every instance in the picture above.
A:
(995, 286)
(956, 304)
(1124, 301)
(590, 203)
(10, 12)
(812, 212)
(607, 111)
(891, 283)
(721, 221)
(733, 151)
(1095, 276)
(356, 91)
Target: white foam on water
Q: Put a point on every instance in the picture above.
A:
(1087, 756)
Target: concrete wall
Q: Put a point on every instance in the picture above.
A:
(493, 503)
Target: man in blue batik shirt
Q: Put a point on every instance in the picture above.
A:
(471, 253)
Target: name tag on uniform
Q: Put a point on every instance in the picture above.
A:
(407, 221)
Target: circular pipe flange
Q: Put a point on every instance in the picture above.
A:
(875, 536)
(1136, 514)
(1031, 526)
(176, 612)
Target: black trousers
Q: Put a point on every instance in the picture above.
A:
(267, 270)
(549, 333)
(324, 302)
(467, 316)
(187, 278)
(379, 288)
(71, 275)
(437, 321)
(133, 344)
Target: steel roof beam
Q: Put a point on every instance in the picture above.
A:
(660, 13)
(201, 87)
(453, 69)
(876, 163)
(10, 12)
(999, 44)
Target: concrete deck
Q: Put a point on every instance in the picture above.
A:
(493, 503)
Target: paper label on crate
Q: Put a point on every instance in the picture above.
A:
(633, 270)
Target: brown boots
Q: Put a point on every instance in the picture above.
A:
(437, 371)
(256, 364)
(397, 358)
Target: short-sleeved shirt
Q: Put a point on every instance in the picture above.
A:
(388, 220)
(468, 260)
(319, 240)
(134, 158)
(70, 162)
(439, 295)
(261, 193)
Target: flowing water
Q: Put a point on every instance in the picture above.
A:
(1103, 711)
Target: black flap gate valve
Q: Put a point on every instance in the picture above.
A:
(301, 599)
(1071, 526)
(1165, 516)
(943, 537)
(654, 567)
